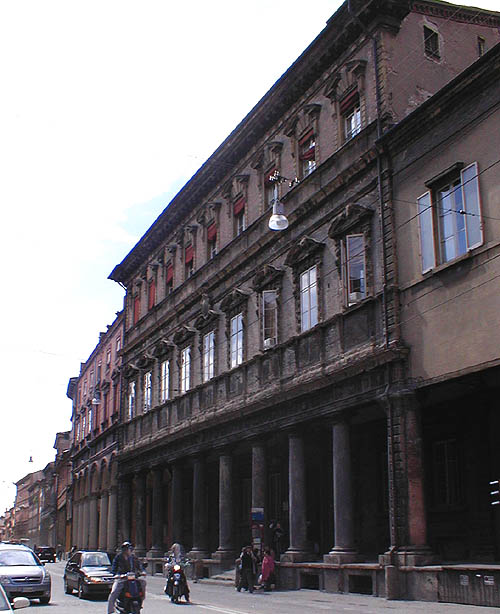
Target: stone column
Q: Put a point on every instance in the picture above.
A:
(177, 511)
(415, 551)
(199, 549)
(343, 551)
(259, 485)
(225, 549)
(125, 509)
(297, 500)
(111, 543)
(103, 522)
(157, 513)
(140, 514)
(85, 524)
(74, 523)
(93, 526)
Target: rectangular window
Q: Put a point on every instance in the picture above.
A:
(481, 46)
(147, 392)
(89, 423)
(118, 344)
(447, 483)
(131, 400)
(269, 188)
(236, 333)
(211, 241)
(450, 217)
(165, 381)
(85, 387)
(137, 308)
(269, 318)
(169, 279)
(189, 262)
(185, 369)
(431, 43)
(208, 355)
(92, 381)
(151, 294)
(239, 216)
(108, 356)
(354, 269)
(308, 299)
(307, 154)
(350, 111)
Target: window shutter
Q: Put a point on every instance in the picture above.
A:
(189, 254)
(472, 206)
(170, 273)
(426, 232)
(151, 294)
(239, 205)
(211, 232)
(349, 101)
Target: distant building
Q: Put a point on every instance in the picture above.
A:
(96, 396)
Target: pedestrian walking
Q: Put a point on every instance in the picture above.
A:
(268, 575)
(248, 569)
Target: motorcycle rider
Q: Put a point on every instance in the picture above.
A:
(176, 557)
(122, 563)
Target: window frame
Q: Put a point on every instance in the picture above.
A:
(349, 299)
(147, 391)
(431, 50)
(208, 356)
(306, 292)
(185, 372)
(236, 340)
(131, 398)
(430, 229)
(164, 374)
(266, 337)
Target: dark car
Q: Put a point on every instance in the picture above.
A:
(89, 573)
(22, 574)
(46, 553)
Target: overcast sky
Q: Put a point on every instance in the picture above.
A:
(107, 108)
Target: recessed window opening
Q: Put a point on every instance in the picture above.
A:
(431, 43)
(236, 332)
(308, 299)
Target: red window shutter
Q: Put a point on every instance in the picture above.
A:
(308, 154)
(239, 205)
(137, 308)
(151, 294)
(189, 254)
(307, 136)
(212, 232)
(170, 273)
(349, 101)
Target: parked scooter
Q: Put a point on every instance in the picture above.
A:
(132, 595)
(177, 585)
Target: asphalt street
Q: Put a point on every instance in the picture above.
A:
(215, 599)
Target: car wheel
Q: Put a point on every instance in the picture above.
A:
(67, 588)
(45, 600)
(81, 590)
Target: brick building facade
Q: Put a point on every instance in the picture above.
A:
(268, 371)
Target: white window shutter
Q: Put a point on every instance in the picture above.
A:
(472, 206)
(425, 218)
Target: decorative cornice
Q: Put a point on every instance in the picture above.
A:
(184, 334)
(234, 299)
(349, 217)
(267, 275)
(304, 249)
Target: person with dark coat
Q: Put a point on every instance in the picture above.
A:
(248, 569)
(122, 563)
(277, 535)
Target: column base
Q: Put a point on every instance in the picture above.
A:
(412, 556)
(341, 556)
(155, 553)
(140, 551)
(197, 554)
(297, 556)
(224, 555)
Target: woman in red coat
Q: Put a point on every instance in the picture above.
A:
(267, 570)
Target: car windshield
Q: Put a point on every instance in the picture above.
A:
(17, 557)
(95, 559)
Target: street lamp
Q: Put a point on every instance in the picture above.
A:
(278, 220)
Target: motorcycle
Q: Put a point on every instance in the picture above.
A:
(176, 585)
(132, 595)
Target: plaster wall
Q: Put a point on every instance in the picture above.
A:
(450, 316)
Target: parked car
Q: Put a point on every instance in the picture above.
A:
(22, 574)
(89, 573)
(46, 553)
